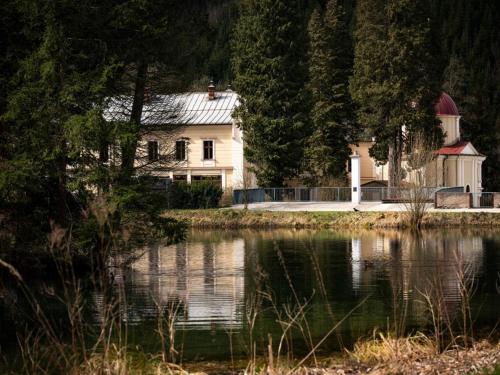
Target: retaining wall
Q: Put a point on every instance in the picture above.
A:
(453, 200)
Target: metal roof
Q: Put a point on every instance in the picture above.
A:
(454, 149)
(458, 148)
(178, 109)
(446, 106)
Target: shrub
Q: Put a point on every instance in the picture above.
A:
(196, 195)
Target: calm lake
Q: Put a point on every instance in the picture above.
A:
(218, 284)
(222, 288)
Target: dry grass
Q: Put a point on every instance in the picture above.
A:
(235, 219)
(385, 348)
(377, 355)
(417, 355)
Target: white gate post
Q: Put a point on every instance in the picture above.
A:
(355, 178)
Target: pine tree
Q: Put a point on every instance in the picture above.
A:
(330, 68)
(155, 41)
(396, 77)
(75, 59)
(471, 42)
(54, 88)
(270, 73)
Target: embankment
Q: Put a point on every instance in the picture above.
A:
(235, 219)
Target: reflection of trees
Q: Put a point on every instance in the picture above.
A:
(414, 263)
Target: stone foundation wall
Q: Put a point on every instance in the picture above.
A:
(496, 200)
(454, 200)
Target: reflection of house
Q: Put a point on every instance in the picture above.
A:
(458, 163)
(206, 278)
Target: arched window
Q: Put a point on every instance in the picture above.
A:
(467, 188)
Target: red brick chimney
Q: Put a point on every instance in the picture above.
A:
(211, 91)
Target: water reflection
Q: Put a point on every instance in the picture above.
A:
(206, 278)
(418, 266)
(213, 275)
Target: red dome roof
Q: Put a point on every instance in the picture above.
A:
(446, 106)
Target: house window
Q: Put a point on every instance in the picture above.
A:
(180, 178)
(152, 150)
(208, 150)
(180, 150)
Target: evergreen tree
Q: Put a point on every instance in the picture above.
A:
(471, 42)
(225, 15)
(330, 68)
(151, 39)
(52, 89)
(269, 68)
(369, 87)
(396, 77)
(74, 59)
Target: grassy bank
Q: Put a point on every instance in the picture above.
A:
(377, 356)
(235, 219)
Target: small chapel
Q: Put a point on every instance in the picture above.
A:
(457, 162)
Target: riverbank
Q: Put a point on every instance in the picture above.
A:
(237, 219)
(401, 356)
(483, 358)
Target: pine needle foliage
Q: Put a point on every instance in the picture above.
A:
(332, 114)
(396, 79)
(471, 43)
(270, 72)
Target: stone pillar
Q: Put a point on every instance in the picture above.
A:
(355, 178)
(189, 176)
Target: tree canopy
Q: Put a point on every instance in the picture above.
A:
(332, 113)
(396, 79)
(270, 72)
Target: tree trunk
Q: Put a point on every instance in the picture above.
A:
(130, 147)
(61, 188)
(395, 156)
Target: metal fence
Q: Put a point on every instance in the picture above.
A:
(328, 194)
(343, 194)
(374, 194)
(299, 194)
(484, 200)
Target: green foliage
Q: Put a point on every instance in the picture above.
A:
(471, 43)
(139, 197)
(223, 16)
(53, 88)
(332, 114)
(270, 72)
(67, 60)
(396, 78)
(195, 195)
